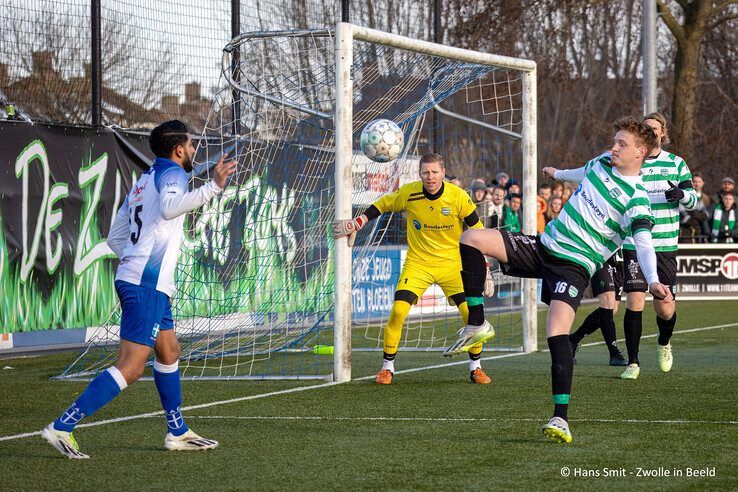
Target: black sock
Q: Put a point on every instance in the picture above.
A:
(562, 370)
(387, 356)
(589, 326)
(473, 273)
(607, 325)
(633, 327)
(475, 356)
(666, 328)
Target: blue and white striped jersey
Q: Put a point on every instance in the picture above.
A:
(148, 231)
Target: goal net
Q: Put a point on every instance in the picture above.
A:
(263, 290)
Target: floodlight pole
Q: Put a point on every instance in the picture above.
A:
(648, 46)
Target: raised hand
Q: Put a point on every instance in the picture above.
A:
(549, 171)
(223, 169)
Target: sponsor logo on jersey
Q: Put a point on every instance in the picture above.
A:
(137, 190)
(446, 211)
(573, 291)
(416, 224)
(588, 200)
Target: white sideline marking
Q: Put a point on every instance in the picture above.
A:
(457, 419)
(326, 385)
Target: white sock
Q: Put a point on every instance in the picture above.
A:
(475, 364)
(389, 365)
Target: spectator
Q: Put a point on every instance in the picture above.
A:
(478, 194)
(727, 185)
(501, 180)
(496, 208)
(724, 226)
(557, 190)
(544, 191)
(454, 180)
(566, 193)
(554, 207)
(694, 225)
(542, 207)
(698, 182)
(512, 188)
(511, 220)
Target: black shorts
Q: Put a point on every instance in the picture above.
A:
(528, 258)
(634, 281)
(608, 279)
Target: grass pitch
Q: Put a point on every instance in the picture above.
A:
(431, 429)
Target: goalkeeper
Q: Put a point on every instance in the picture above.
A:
(436, 214)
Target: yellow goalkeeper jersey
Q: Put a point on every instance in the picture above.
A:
(434, 222)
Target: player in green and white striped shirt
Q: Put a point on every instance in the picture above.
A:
(669, 183)
(609, 205)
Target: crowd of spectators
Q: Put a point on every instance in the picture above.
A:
(714, 218)
(499, 205)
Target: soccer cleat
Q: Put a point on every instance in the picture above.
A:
(384, 377)
(618, 360)
(63, 442)
(479, 377)
(665, 357)
(631, 372)
(470, 336)
(557, 429)
(189, 441)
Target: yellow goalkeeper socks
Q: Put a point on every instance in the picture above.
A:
(393, 330)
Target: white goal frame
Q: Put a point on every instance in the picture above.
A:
(343, 120)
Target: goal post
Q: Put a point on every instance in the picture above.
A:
(345, 36)
(263, 289)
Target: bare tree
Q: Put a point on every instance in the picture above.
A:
(698, 17)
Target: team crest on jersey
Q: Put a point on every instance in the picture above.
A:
(155, 331)
(446, 211)
(614, 193)
(416, 224)
(664, 171)
(573, 291)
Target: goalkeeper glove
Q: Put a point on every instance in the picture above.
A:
(673, 194)
(348, 228)
(489, 283)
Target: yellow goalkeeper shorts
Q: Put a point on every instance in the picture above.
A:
(417, 278)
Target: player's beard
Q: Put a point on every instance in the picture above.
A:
(187, 164)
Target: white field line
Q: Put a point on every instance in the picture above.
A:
(455, 419)
(326, 385)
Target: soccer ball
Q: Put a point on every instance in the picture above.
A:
(382, 140)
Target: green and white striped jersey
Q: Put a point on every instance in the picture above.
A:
(598, 216)
(657, 172)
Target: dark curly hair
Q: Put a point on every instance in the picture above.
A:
(165, 137)
(643, 133)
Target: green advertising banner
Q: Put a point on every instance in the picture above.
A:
(60, 188)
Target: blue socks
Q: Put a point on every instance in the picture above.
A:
(109, 384)
(169, 386)
(98, 393)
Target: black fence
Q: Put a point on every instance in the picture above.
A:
(135, 63)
